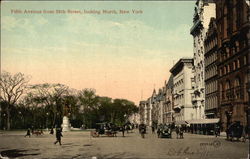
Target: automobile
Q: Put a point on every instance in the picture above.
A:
(164, 131)
(234, 130)
(104, 129)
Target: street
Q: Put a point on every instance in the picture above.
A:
(79, 144)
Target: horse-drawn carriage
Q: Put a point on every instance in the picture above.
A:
(107, 129)
(164, 131)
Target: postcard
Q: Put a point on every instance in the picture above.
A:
(124, 79)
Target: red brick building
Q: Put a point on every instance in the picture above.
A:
(233, 25)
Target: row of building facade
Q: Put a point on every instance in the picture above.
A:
(213, 85)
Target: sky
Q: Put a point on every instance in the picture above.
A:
(119, 55)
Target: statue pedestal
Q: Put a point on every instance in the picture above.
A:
(65, 124)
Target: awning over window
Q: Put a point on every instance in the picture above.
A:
(181, 122)
(204, 121)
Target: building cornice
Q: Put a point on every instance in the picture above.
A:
(196, 27)
(179, 65)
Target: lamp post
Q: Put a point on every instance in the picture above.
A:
(20, 114)
(47, 114)
(4, 120)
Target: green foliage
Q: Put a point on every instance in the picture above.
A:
(44, 106)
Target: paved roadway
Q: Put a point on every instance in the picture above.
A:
(79, 144)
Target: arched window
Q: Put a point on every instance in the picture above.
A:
(227, 86)
(237, 82)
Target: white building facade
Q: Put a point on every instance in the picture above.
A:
(143, 111)
(204, 10)
(182, 73)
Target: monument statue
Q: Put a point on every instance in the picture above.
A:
(65, 125)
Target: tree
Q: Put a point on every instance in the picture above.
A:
(89, 105)
(122, 109)
(50, 96)
(117, 110)
(12, 87)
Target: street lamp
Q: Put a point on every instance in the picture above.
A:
(4, 120)
(20, 114)
(47, 114)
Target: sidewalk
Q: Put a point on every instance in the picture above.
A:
(223, 134)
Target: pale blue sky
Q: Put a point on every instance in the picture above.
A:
(115, 54)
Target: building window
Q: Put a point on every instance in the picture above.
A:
(228, 52)
(245, 60)
(225, 70)
(225, 21)
(238, 63)
(234, 65)
(228, 91)
(237, 45)
(228, 68)
(237, 88)
(233, 50)
(221, 91)
(237, 82)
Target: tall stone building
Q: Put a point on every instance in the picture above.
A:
(143, 111)
(204, 10)
(182, 90)
(168, 102)
(154, 102)
(149, 112)
(211, 75)
(160, 104)
(233, 60)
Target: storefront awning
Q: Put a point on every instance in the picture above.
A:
(204, 121)
(181, 123)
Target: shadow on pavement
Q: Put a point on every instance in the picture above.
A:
(17, 153)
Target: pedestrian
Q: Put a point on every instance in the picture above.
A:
(158, 132)
(52, 131)
(153, 129)
(123, 130)
(181, 132)
(28, 133)
(177, 130)
(58, 136)
(217, 130)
